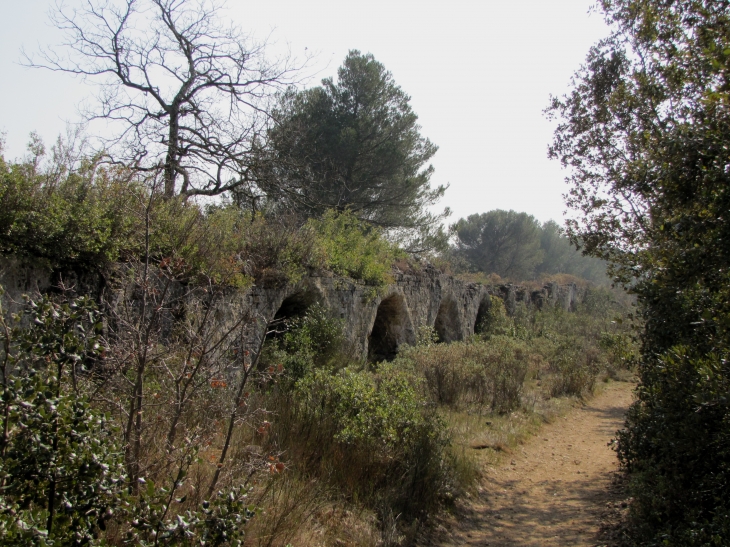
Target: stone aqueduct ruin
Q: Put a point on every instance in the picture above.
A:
(376, 322)
(376, 325)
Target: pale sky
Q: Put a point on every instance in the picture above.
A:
(479, 73)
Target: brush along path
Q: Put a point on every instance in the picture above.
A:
(554, 489)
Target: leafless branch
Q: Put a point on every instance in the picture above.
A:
(183, 90)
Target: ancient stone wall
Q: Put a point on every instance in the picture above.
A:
(377, 321)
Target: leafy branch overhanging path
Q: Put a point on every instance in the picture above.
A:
(554, 489)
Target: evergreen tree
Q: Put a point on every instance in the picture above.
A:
(353, 144)
(503, 242)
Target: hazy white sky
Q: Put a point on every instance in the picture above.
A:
(479, 73)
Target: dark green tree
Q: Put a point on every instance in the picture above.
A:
(352, 144)
(503, 242)
(646, 133)
(558, 252)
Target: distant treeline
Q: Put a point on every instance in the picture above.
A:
(518, 247)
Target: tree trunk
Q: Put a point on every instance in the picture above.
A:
(171, 160)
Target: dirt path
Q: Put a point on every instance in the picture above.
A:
(553, 490)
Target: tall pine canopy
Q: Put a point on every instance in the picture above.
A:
(351, 144)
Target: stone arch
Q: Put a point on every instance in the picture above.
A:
(482, 314)
(448, 321)
(295, 305)
(391, 329)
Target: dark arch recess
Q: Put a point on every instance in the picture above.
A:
(294, 306)
(448, 322)
(391, 329)
(482, 314)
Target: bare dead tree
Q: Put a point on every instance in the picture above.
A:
(188, 93)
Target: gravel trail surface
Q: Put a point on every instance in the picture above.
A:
(554, 490)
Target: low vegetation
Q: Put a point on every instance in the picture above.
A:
(154, 424)
(182, 438)
(85, 217)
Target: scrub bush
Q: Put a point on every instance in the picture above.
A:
(461, 374)
(61, 467)
(353, 248)
(369, 434)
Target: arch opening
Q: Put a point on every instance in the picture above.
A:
(292, 307)
(482, 321)
(448, 323)
(391, 329)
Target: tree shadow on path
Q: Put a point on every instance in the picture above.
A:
(556, 493)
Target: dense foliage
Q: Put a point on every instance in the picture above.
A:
(371, 435)
(352, 144)
(386, 445)
(162, 422)
(312, 341)
(353, 248)
(61, 469)
(64, 461)
(567, 350)
(503, 242)
(645, 132)
(74, 214)
(380, 434)
(78, 215)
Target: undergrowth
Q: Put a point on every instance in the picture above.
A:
(205, 438)
(86, 216)
(276, 446)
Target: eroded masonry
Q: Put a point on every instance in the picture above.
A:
(377, 322)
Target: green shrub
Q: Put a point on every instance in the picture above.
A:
(619, 350)
(87, 216)
(371, 435)
(574, 366)
(676, 448)
(270, 250)
(314, 340)
(318, 335)
(277, 250)
(61, 466)
(495, 321)
(216, 523)
(202, 246)
(82, 218)
(478, 373)
(574, 348)
(354, 248)
(62, 462)
(59, 452)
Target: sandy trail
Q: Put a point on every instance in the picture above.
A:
(554, 489)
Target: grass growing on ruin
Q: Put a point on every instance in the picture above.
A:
(89, 217)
